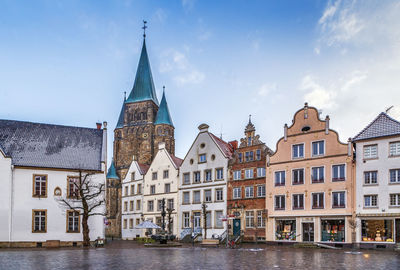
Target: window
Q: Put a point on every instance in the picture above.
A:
(338, 199)
(167, 188)
(139, 188)
(208, 219)
(154, 176)
(150, 206)
(237, 175)
(186, 197)
(73, 221)
(153, 189)
(261, 191)
(370, 200)
(317, 175)
(394, 175)
(39, 185)
(39, 221)
(279, 202)
(249, 192)
(318, 200)
(132, 189)
(196, 196)
(73, 187)
(126, 190)
(318, 148)
(207, 175)
(258, 154)
(186, 220)
(280, 178)
(371, 151)
(298, 201)
(249, 141)
(219, 195)
(338, 172)
(249, 156)
(138, 205)
(249, 219)
(218, 221)
(186, 178)
(260, 172)
(370, 178)
(137, 221)
(240, 157)
(170, 204)
(298, 151)
(196, 177)
(248, 173)
(237, 193)
(131, 205)
(159, 205)
(207, 195)
(165, 174)
(394, 149)
(132, 176)
(298, 177)
(260, 219)
(219, 174)
(394, 199)
(202, 158)
(125, 223)
(131, 223)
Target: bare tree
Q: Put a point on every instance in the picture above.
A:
(204, 210)
(86, 197)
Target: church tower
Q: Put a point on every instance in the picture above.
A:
(135, 135)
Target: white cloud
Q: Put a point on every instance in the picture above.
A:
(188, 4)
(317, 95)
(267, 89)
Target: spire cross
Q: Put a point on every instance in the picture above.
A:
(249, 118)
(163, 88)
(124, 95)
(144, 28)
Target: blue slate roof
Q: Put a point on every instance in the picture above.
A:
(382, 126)
(52, 146)
(143, 88)
(112, 172)
(163, 115)
(120, 123)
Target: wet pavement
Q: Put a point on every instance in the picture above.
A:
(129, 255)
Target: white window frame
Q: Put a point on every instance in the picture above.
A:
(370, 196)
(237, 192)
(304, 176)
(280, 202)
(184, 182)
(280, 178)
(323, 200)
(249, 192)
(219, 176)
(318, 172)
(345, 171)
(345, 198)
(208, 175)
(397, 176)
(396, 199)
(294, 145)
(262, 195)
(249, 173)
(221, 191)
(293, 200)
(261, 172)
(195, 181)
(194, 197)
(237, 175)
(206, 198)
(323, 149)
(249, 219)
(370, 178)
(186, 193)
(369, 155)
(396, 149)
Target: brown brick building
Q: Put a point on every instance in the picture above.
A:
(246, 186)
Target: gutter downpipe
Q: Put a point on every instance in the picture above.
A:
(10, 216)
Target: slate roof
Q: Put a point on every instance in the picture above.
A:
(112, 172)
(163, 115)
(143, 87)
(52, 146)
(178, 161)
(225, 147)
(382, 126)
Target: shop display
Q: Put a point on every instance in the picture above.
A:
(377, 230)
(333, 230)
(286, 230)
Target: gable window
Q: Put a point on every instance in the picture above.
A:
(73, 221)
(249, 141)
(165, 174)
(370, 178)
(237, 193)
(207, 175)
(248, 173)
(240, 157)
(132, 189)
(318, 148)
(298, 177)
(318, 200)
(207, 195)
(338, 172)
(280, 178)
(298, 201)
(219, 174)
(261, 191)
(237, 175)
(39, 185)
(394, 149)
(73, 190)
(167, 188)
(338, 199)
(154, 176)
(186, 178)
(202, 158)
(394, 175)
(39, 221)
(394, 200)
(317, 175)
(371, 151)
(279, 202)
(260, 172)
(249, 192)
(139, 188)
(219, 195)
(298, 151)
(132, 176)
(150, 206)
(196, 177)
(186, 197)
(370, 200)
(153, 189)
(258, 154)
(249, 219)
(249, 156)
(196, 196)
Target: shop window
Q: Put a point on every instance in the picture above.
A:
(333, 230)
(380, 230)
(285, 230)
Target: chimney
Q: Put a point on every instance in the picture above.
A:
(268, 160)
(105, 124)
(98, 125)
(161, 145)
(203, 128)
(349, 147)
(285, 128)
(327, 124)
(234, 144)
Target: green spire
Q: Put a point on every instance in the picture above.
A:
(120, 123)
(163, 115)
(112, 172)
(143, 88)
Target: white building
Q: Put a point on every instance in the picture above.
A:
(378, 183)
(203, 178)
(161, 182)
(38, 163)
(132, 199)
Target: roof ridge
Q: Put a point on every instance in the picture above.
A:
(380, 115)
(46, 124)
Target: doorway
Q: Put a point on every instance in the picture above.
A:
(397, 229)
(236, 226)
(308, 232)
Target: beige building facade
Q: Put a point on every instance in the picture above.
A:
(310, 183)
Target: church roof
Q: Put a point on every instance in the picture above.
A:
(163, 115)
(52, 146)
(382, 126)
(143, 87)
(120, 123)
(112, 172)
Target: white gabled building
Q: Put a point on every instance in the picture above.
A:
(132, 199)
(378, 183)
(38, 163)
(203, 178)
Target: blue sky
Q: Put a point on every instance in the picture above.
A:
(69, 62)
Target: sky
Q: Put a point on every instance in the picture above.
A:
(69, 62)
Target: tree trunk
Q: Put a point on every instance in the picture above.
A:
(85, 226)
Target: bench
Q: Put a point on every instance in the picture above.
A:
(210, 242)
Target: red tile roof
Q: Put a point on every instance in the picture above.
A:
(177, 161)
(143, 167)
(225, 147)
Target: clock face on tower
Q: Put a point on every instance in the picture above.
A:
(145, 135)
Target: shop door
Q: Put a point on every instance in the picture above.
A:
(308, 232)
(236, 226)
(397, 239)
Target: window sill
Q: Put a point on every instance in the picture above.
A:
(318, 208)
(39, 231)
(297, 158)
(367, 159)
(317, 156)
(317, 182)
(39, 196)
(279, 209)
(72, 231)
(280, 185)
(185, 184)
(393, 156)
(338, 179)
(201, 162)
(335, 207)
(298, 208)
(194, 183)
(370, 185)
(297, 184)
(196, 202)
(394, 206)
(370, 207)
(394, 183)
(218, 180)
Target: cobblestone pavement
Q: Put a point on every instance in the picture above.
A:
(129, 255)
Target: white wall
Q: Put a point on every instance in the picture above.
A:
(5, 195)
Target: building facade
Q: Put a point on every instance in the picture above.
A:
(161, 184)
(309, 183)
(203, 179)
(246, 186)
(378, 183)
(38, 166)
